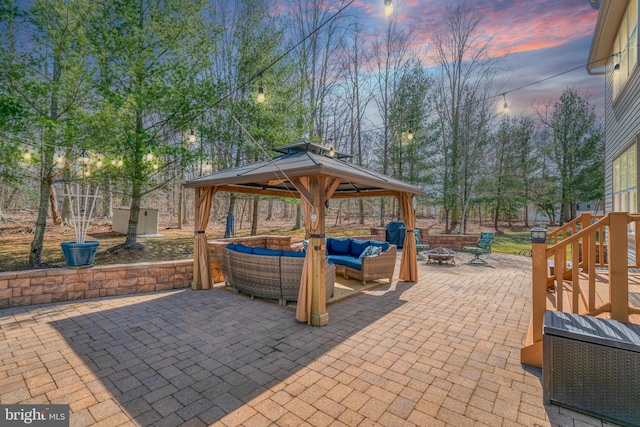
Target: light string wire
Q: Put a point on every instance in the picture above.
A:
(31, 143)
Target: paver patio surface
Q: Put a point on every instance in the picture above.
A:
(443, 351)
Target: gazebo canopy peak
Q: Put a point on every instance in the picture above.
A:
(311, 147)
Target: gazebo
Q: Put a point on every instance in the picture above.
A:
(315, 174)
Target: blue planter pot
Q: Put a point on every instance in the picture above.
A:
(79, 254)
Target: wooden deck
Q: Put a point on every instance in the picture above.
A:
(602, 294)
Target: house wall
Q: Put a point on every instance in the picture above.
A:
(622, 126)
(622, 121)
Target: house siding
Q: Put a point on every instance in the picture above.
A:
(622, 124)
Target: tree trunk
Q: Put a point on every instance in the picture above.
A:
(269, 211)
(134, 212)
(298, 224)
(107, 201)
(53, 201)
(48, 152)
(232, 206)
(254, 217)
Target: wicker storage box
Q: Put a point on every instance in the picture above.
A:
(592, 365)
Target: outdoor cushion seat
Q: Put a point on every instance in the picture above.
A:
(346, 252)
(347, 260)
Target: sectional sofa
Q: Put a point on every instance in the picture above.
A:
(362, 259)
(267, 273)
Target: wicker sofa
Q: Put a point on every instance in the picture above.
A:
(347, 253)
(267, 273)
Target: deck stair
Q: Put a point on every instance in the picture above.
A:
(593, 274)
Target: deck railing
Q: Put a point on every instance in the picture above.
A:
(578, 249)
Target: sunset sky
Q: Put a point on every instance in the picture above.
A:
(543, 37)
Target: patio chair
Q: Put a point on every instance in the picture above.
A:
(420, 246)
(485, 241)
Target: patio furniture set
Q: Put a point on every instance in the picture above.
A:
(276, 274)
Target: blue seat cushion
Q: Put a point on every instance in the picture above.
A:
(244, 249)
(294, 254)
(231, 246)
(268, 252)
(346, 260)
(356, 247)
(338, 246)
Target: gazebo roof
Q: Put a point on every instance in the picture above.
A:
(274, 176)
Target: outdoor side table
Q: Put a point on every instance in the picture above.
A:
(592, 365)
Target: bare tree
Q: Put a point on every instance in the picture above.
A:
(464, 106)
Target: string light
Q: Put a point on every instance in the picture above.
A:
(260, 97)
(505, 106)
(207, 167)
(388, 7)
(410, 135)
(99, 162)
(120, 162)
(332, 152)
(84, 157)
(155, 166)
(149, 155)
(59, 159)
(27, 155)
(192, 135)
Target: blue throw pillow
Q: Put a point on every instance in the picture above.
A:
(356, 247)
(376, 250)
(383, 245)
(366, 252)
(244, 249)
(338, 246)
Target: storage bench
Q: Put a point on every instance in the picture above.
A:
(592, 365)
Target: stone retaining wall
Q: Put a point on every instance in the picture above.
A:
(19, 288)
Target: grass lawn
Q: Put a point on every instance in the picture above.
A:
(512, 242)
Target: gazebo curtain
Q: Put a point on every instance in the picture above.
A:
(201, 258)
(409, 260)
(303, 308)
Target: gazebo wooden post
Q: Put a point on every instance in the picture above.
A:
(319, 315)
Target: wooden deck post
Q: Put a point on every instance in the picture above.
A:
(531, 354)
(618, 266)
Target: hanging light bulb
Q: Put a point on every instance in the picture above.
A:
(113, 162)
(505, 107)
(120, 162)
(84, 157)
(410, 135)
(155, 166)
(149, 155)
(260, 97)
(207, 167)
(332, 152)
(99, 162)
(87, 173)
(59, 159)
(192, 135)
(388, 7)
(27, 155)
